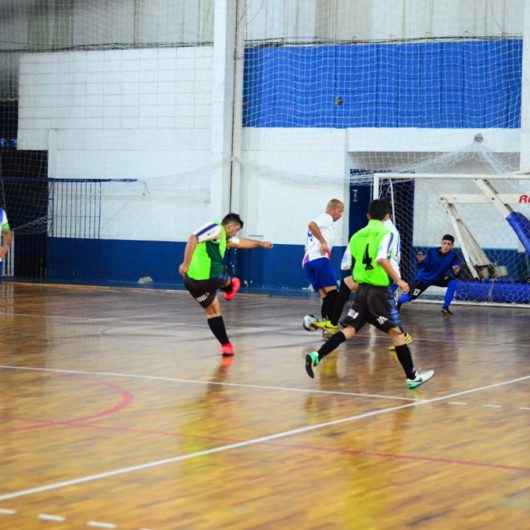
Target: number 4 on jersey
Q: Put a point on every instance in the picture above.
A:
(367, 260)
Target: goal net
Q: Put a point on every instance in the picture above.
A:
(487, 214)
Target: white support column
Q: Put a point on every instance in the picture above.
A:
(525, 96)
(223, 104)
(52, 153)
(236, 204)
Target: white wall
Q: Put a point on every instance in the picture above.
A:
(146, 113)
(126, 113)
(382, 19)
(288, 176)
(142, 21)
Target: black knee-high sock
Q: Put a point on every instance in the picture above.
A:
(217, 325)
(331, 344)
(404, 357)
(328, 303)
(340, 301)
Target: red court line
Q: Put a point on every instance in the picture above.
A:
(305, 447)
(126, 398)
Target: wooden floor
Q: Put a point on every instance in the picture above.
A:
(118, 412)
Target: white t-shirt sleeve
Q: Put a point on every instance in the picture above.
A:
(324, 220)
(208, 232)
(385, 248)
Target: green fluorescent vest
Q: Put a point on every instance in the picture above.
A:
(363, 246)
(207, 259)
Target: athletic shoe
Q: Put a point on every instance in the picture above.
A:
(311, 360)
(329, 327)
(308, 322)
(421, 377)
(446, 312)
(227, 350)
(326, 325)
(235, 286)
(408, 340)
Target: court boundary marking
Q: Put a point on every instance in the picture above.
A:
(203, 382)
(248, 443)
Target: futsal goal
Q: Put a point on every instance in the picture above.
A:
(487, 214)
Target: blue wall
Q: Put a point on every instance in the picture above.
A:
(108, 261)
(113, 261)
(457, 84)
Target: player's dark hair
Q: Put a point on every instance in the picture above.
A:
(378, 209)
(232, 218)
(448, 237)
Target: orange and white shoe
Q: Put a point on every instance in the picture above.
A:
(227, 350)
(236, 285)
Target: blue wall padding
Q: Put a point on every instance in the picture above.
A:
(455, 84)
(521, 226)
(494, 291)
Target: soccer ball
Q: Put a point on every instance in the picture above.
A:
(308, 321)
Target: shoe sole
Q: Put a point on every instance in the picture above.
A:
(309, 367)
(419, 384)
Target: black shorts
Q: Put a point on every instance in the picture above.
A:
(204, 291)
(373, 305)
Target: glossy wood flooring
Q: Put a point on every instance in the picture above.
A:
(118, 412)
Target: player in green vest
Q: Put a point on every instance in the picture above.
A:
(374, 271)
(203, 270)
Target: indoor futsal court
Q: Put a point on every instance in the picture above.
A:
(117, 412)
(264, 264)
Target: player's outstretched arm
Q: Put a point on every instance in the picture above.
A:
(188, 253)
(249, 243)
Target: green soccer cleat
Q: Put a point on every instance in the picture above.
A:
(329, 327)
(421, 377)
(311, 360)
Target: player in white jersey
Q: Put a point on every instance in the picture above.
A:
(317, 266)
(7, 237)
(394, 256)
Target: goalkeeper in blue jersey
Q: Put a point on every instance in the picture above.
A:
(438, 267)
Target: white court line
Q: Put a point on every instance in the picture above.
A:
(457, 403)
(247, 443)
(202, 382)
(99, 524)
(5, 511)
(491, 406)
(49, 517)
(200, 325)
(524, 408)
